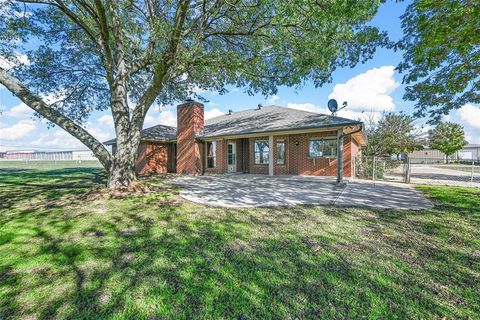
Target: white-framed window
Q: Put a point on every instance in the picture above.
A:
(280, 152)
(261, 150)
(231, 154)
(211, 154)
(318, 148)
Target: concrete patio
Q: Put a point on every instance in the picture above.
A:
(247, 190)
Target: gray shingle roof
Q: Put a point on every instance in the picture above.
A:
(270, 119)
(267, 119)
(159, 133)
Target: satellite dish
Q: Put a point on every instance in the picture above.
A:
(332, 105)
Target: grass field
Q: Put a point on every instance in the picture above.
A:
(48, 165)
(69, 252)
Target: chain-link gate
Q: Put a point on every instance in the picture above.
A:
(380, 168)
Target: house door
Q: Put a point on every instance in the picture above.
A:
(232, 156)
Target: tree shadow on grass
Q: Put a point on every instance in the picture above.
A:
(147, 257)
(32, 189)
(164, 265)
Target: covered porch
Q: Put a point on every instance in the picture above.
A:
(328, 152)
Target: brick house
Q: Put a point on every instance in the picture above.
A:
(266, 140)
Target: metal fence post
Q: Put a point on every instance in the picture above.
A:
(354, 174)
(408, 171)
(473, 170)
(374, 168)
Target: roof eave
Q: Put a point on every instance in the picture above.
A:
(280, 131)
(114, 141)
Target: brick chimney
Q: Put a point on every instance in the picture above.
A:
(190, 121)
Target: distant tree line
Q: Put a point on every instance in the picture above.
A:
(394, 133)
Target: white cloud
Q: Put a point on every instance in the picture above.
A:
(368, 91)
(106, 120)
(168, 117)
(273, 99)
(97, 132)
(54, 97)
(213, 113)
(158, 116)
(345, 113)
(17, 131)
(304, 106)
(20, 111)
(470, 115)
(58, 138)
(19, 58)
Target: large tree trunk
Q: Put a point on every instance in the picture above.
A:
(122, 171)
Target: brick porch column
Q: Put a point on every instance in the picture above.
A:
(270, 155)
(340, 136)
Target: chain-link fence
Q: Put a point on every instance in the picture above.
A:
(438, 171)
(380, 168)
(444, 172)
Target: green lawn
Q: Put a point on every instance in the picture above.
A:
(69, 252)
(48, 165)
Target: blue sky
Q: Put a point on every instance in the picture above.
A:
(369, 88)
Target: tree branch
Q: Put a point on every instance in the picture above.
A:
(160, 72)
(36, 103)
(104, 34)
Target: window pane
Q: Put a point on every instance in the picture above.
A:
(231, 154)
(280, 152)
(211, 154)
(322, 148)
(261, 150)
(316, 148)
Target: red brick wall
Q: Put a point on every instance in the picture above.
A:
(297, 160)
(347, 156)
(190, 120)
(152, 158)
(302, 164)
(355, 151)
(157, 158)
(141, 162)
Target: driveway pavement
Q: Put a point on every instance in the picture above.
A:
(246, 190)
(427, 174)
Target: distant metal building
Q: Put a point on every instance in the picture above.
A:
(470, 152)
(427, 155)
(79, 155)
(34, 155)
